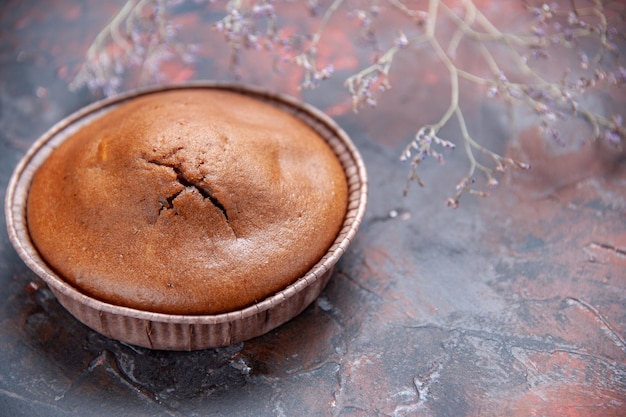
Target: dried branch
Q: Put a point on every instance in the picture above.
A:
(141, 36)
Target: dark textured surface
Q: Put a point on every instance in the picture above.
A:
(511, 305)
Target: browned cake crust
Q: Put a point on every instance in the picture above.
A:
(187, 202)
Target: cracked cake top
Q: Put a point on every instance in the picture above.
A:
(187, 202)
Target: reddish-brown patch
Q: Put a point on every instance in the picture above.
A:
(561, 384)
(177, 72)
(337, 48)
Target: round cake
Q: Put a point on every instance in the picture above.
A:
(187, 202)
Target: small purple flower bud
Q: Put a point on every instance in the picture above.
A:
(568, 34)
(515, 93)
(401, 41)
(572, 18)
(612, 137)
(451, 202)
(584, 60)
(492, 183)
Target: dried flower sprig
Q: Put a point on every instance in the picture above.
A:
(364, 84)
(139, 36)
(586, 30)
(253, 25)
(422, 145)
(307, 60)
(360, 86)
(550, 101)
(241, 28)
